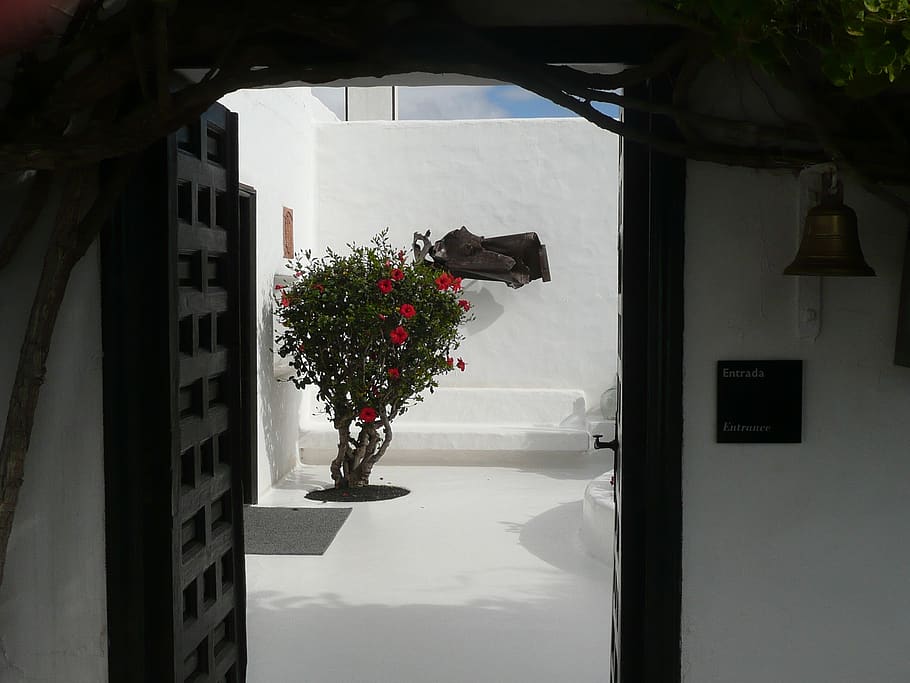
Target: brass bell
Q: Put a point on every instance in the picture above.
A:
(830, 244)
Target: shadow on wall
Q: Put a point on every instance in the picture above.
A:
(486, 309)
(279, 406)
(306, 479)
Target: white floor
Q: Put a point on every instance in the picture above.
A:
(477, 575)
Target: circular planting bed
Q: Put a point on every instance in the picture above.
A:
(358, 494)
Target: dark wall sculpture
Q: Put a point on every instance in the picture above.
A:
(513, 259)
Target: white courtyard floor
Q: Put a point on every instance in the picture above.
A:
(478, 575)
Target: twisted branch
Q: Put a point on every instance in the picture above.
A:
(369, 463)
(71, 237)
(337, 466)
(356, 40)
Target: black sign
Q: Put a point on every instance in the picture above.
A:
(759, 401)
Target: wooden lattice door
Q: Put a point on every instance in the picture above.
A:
(176, 415)
(207, 534)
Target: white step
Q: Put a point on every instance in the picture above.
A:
(477, 419)
(465, 436)
(497, 406)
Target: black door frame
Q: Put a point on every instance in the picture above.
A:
(648, 587)
(248, 342)
(649, 495)
(137, 380)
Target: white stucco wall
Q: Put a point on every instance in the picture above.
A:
(795, 565)
(557, 177)
(277, 153)
(53, 611)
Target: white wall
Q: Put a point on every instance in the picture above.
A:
(795, 561)
(370, 104)
(557, 177)
(277, 153)
(53, 610)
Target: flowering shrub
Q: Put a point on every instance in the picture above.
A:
(371, 332)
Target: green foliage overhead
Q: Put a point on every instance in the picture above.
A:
(861, 45)
(370, 330)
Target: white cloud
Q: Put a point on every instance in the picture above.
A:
(449, 102)
(515, 94)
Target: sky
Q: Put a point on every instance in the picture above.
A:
(453, 102)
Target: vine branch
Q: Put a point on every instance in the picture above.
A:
(71, 237)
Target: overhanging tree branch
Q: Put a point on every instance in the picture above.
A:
(309, 43)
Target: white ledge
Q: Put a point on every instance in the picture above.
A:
(463, 436)
(480, 419)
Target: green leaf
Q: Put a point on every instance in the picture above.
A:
(876, 60)
(864, 85)
(872, 5)
(835, 69)
(854, 27)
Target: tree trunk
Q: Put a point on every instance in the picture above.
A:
(338, 464)
(67, 245)
(353, 464)
(63, 251)
(366, 467)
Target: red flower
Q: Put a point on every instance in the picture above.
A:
(382, 316)
(455, 284)
(397, 274)
(298, 273)
(443, 281)
(367, 414)
(300, 348)
(460, 364)
(394, 373)
(401, 255)
(278, 288)
(450, 361)
(320, 287)
(398, 335)
(385, 285)
(465, 304)
(284, 300)
(407, 311)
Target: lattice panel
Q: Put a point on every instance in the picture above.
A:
(208, 625)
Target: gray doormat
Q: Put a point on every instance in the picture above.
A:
(291, 531)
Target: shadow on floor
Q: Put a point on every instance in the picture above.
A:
(553, 536)
(529, 641)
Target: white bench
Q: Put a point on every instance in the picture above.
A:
(461, 423)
